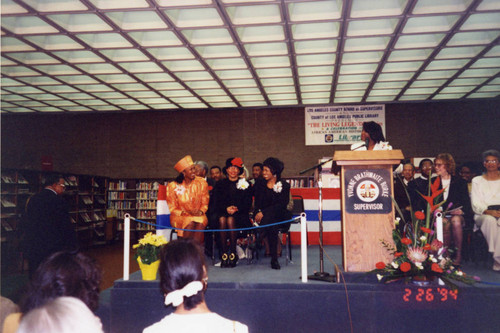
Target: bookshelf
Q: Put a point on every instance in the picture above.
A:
(136, 197)
(300, 181)
(85, 195)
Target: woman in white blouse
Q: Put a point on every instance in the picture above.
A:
(485, 197)
(183, 281)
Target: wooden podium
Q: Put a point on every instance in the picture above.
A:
(367, 209)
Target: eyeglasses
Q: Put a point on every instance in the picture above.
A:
(491, 161)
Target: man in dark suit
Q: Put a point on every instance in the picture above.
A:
(48, 227)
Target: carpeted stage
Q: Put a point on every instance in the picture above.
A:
(277, 301)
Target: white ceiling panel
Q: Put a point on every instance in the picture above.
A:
(115, 55)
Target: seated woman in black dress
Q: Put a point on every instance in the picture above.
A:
(456, 194)
(271, 199)
(233, 199)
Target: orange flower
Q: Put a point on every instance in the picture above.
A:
(380, 265)
(426, 230)
(435, 267)
(405, 267)
(420, 215)
(398, 254)
(406, 241)
(434, 194)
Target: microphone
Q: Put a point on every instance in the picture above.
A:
(367, 142)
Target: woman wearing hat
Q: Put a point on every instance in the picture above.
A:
(233, 199)
(187, 199)
(272, 196)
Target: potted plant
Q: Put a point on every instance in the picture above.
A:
(147, 253)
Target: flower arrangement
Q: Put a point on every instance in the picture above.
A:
(418, 254)
(148, 248)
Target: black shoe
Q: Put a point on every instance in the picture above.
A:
(275, 264)
(224, 261)
(233, 258)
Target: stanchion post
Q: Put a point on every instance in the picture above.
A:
(126, 248)
(303, 246)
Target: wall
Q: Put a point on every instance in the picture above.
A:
(147, 144)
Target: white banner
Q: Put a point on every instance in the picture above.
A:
(340, 125)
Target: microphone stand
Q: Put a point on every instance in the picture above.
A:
(321, 275)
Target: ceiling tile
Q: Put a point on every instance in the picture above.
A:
(315, 10)
(137, 20)
(80, 22)
(441, 6)
(255, 14)
(369, 8)
(194, 17)
(371, 27)
(26, 25)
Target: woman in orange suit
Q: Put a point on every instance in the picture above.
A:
(187, 199)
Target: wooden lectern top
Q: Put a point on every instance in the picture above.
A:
(368, 157)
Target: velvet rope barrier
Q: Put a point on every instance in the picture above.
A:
(303, 240)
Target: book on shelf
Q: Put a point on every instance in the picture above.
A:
(21, 179)
(99, 233)
(100, 200)
(85, 217)
(72, 181)
(6, 203)
(7, 226)
(7, 179)
(87, 200)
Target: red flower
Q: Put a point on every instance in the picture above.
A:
(435, 185)
(380, 265)
(405, 267)
(435, 267)
(420, 215)
(406, 241)
(237, 162)
(398, 254)
(426, 230)
(427, 247)
(434, 194)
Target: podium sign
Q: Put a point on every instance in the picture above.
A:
(368, 191)
(367, 208)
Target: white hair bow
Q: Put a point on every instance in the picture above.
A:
(176, 297)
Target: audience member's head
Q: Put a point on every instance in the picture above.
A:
(61, 315)
(183, 274)
(467, 171)
(55, 182)
(374, 131)
(425, 167)
(408, 171)
(448, 162)
(491, 152)
(235, 164)
(275, 166)
(64, 274)
(201, 168)
(216, 173)
(257, 170)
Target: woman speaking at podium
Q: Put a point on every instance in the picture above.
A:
(372, 137)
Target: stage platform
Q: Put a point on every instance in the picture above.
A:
(277, 301)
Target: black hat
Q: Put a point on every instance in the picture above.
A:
(233, 161)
